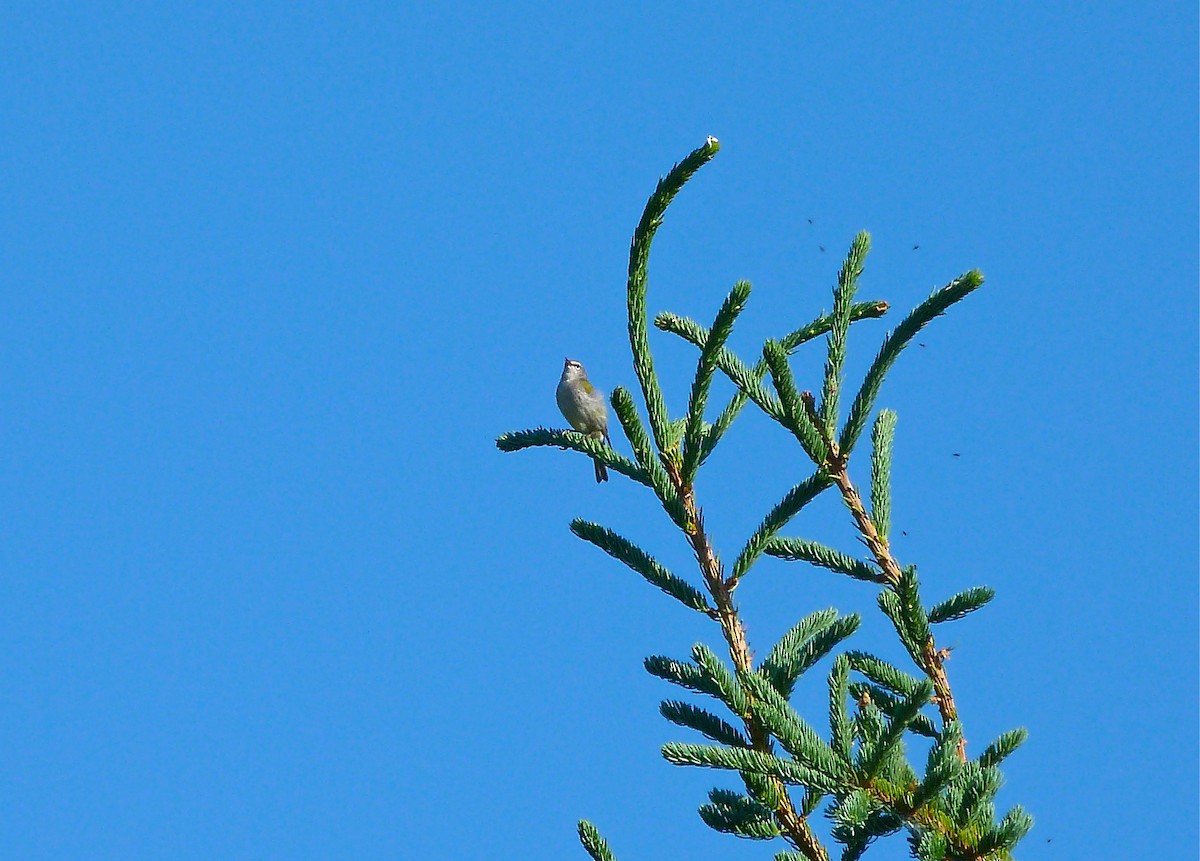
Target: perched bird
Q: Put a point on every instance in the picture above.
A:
(582, 405)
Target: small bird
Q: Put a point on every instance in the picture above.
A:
(582, 405)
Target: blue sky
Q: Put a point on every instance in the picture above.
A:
(275, 276)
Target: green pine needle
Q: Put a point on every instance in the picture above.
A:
(901, 718)
(841, 729)
(851, 817)
(869, 727)
(979, 786)
(942, 765)
(1015, 825)
(639, 259)
(704, 722)
(882, 437)
(792, 656)
(890, 604)
(651, 467)
(888, 703)
(810, 802)
(843, 297)
(739, 373)
(800, 633)
(733, 813)
(595, 845)
(877, 823)
(797, 737)
(738, 759)
(643, 563)
(915, 617)
(787, 508)
(693, 437)
(749, 380)
(961, 605)
(795, 418)
(685, 675)
(1003, 747)
(802, 550)
(893, 344)
(882, 673)
(818, 327)
(930, 846)
(731, 692)
(569, 439)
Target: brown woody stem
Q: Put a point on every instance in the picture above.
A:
(794, 826)
(932, 660)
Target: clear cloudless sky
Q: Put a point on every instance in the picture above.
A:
(273, 277)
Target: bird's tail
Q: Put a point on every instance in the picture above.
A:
(601, 470)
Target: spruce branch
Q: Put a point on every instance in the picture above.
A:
(793, 732)
(787, 771)
(799, 650)
(706, 723)
(1003, 837)
(734, 813)
(839, 716)
(802, 550)
(787, 508)
(652, 467)
(688, 676)
(894, 343)
(739, 373)
(901, 718)
(882, 673)
(791, 823)
(732, 692)
(810, 331)
(891, 606)
(961, 605)
(888, 703)
(639, 259)
(976, 786)
(863, 770)
(902, 603)
(590, 837)
(882, 437)
(643, 563)
(942, 765)
(795, 418)
(574, 441)
(916, 620)
(835, 360)
(749, 387)
(799, 634)
(1003, 747)
(693, 439)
